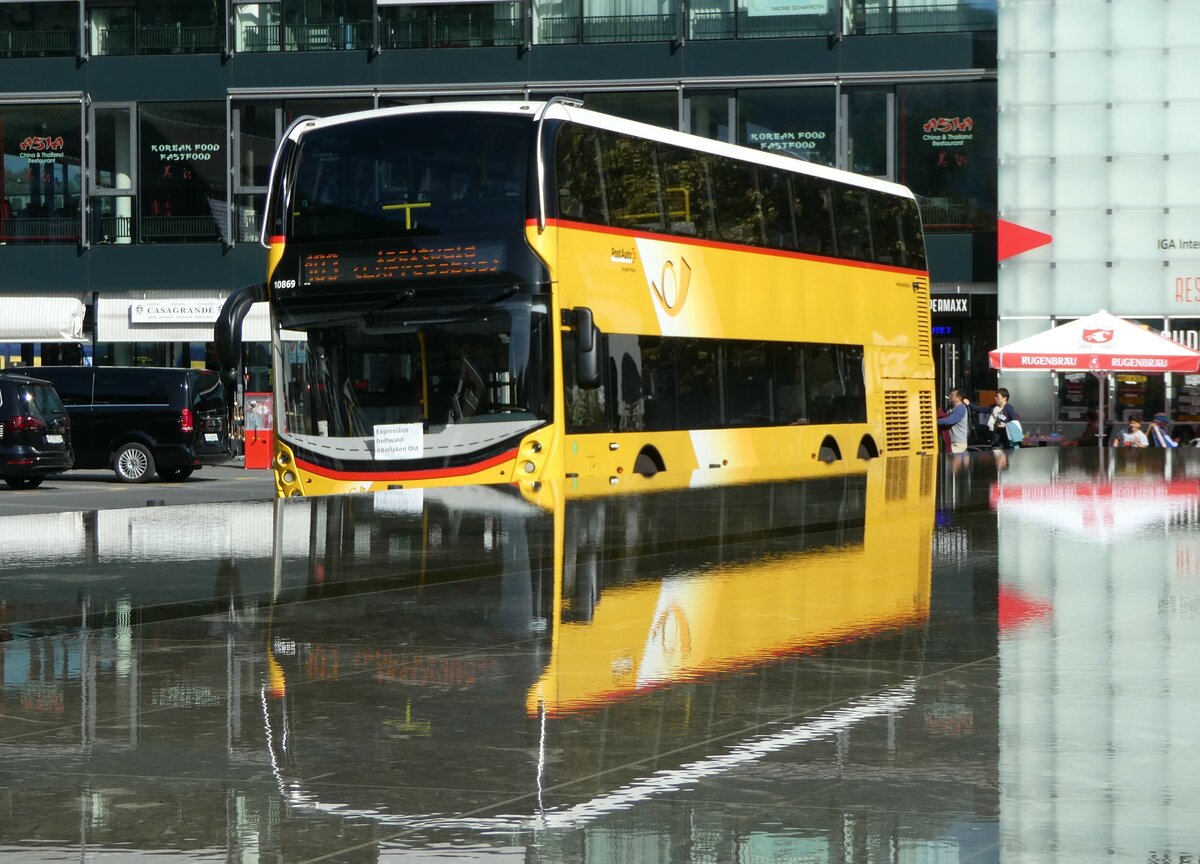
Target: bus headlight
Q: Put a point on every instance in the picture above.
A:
(530, 467)
(289, 477)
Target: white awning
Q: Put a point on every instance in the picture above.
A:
(172, 316)
(41, 319)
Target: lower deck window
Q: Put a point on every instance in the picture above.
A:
(658, 383)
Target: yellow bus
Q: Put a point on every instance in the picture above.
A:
(501, 292)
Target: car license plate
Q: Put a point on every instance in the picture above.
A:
(53, 439)
(210, 437)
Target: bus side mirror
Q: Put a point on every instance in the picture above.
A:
(227, 330)
(587, 349)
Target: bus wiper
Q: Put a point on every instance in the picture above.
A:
(503, 295)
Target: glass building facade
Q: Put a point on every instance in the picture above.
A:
(1099, 147)
(137, 134)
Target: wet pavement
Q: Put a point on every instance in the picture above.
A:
(975, 658)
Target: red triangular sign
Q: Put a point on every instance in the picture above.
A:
(1013, 239)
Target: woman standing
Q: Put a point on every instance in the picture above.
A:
(1003, 413)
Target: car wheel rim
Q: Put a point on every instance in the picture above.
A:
(132, 464)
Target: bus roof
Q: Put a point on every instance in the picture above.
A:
(575, 114)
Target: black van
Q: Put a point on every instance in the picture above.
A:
(35, 432)
(139, 420)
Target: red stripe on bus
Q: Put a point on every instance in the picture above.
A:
(718, 244)
(277, 238)
(424, 474)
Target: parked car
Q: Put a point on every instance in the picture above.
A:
(35, 431)
(141, 420)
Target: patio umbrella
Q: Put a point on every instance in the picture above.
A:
(1099, 343)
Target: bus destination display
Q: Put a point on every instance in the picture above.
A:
(323, 268)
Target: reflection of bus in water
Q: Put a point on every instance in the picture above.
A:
(578, 662)
(717, 614)
(488, 292)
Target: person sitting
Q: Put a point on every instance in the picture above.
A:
(1158, 431)
(1183, 433)
(1090, 436)
(1133, 436)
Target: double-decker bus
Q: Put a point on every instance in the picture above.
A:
(498, 292)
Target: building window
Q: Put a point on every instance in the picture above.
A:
(257, 26)
(758, 19)
(39, 29)
(327, 25)
(155, 27)
(947, 135)
(874, 17)
(711, 114)
(793, 122)
(657, 109)
(40, 181)
(113, 177)
(182, 189)
(455, 25)
(257, 127)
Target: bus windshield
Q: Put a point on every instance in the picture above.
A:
(410, 175)
(443, 372)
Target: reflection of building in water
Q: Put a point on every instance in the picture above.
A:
(586, 665)
(1099, 598)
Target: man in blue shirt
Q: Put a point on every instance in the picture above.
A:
(957, 420)
(1158, 432)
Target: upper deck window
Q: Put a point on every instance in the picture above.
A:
(414, 175)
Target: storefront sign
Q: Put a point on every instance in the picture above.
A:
(1184, 291)
(948, 131)
(192, 152)
(1190, 338)
(175, 311)
(1173, 244)
(786, 140)
(42, 149)
(787, 7)
(951, 304)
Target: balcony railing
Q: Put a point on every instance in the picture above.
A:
(112, 229)
(742, 25)
(442, 31)
(259, 37)
(40, 229)
(173, 39)
(39, 43)
(179, 228)
(925, 19)
(327, 37)
(946, 215)
(156, 39)
(457, 30)
(607, 28)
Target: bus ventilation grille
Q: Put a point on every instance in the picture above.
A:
(895, 418)
(927, 465)
(896, 480)
(924, 325)
(928, 426)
